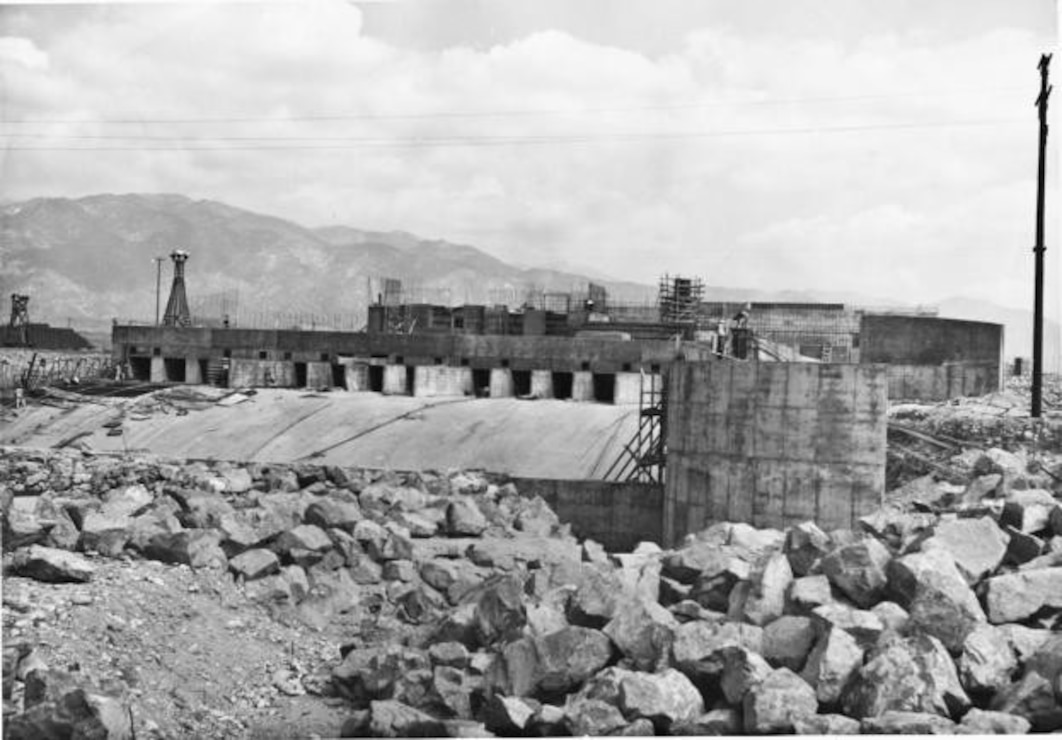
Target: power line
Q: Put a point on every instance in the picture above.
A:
(515, 112)
(288, 143)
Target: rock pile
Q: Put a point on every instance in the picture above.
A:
(489, 618)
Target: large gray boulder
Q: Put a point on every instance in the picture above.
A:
(568, 657)
(833, 665)
(988, 662)
(913, 674)
(977, 546)
(764, 600)
(1016, 596)
(699, 647)
(787, 642)
(805, 546)
(644, 632)
(894, 722)
(779, 701)
(937, 596)
(858, 571)
(742, 670)
(51, 565)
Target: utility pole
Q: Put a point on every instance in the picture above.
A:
(1039, 249)
(158, 284)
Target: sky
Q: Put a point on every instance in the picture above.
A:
(885, 148)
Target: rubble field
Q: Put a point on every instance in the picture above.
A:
(149, 597)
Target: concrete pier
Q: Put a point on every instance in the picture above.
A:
(442, 380)
(583, 386)
(394, 380)
(542, 384)
(501, 383)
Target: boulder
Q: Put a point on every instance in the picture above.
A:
(807, 593)
(722, 569)
(865, 626)
(394, 546)
(593, 604)
(827, 725)
(988, 662)
(1028, 511)
(742, 670)
(937, 596)
(371, 673)
(201, 510)
(395, 719)
(643, 631)
(64, 705)
(464, 519)
(507, 715)
(833, 665)
(568, 657)
(1016, 596)
(765, 600)
(1022, 547)
(21, 528)
(983, 486)
(127, 501)
(777, 702)
(105, 534)
(500, 614)
(858, 571)
(984, 722)
(449, 654)
(724, 721)
(805, 546)
(704, 559)
(698, 650)
(199, 548)
(255, 563)
(787, 642)
(1025, 641)
(893, 616)
(666, 699)
(418, 524)
(907, 723)
(977, 546)
(594, 717)
(51, 565)
(333, 513)
(535, 517)
(1034, 699)
(913, 674)
(303, 537)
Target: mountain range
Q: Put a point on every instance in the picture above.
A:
(89, 260)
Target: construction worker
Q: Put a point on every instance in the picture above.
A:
(20, 397)
(741, 318)
(720, 341)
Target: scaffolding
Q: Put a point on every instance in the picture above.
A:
(679, 299)
(644, 457)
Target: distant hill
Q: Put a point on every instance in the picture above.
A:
(88, 260)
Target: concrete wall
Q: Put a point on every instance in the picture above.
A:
(941, 382)
(927, 340)
(773, 444)
(618, 515)
(523, 352)
(442, 380)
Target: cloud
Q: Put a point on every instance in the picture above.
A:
(760, 160)
(22, 52)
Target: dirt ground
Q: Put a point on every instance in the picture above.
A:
(198, 658)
